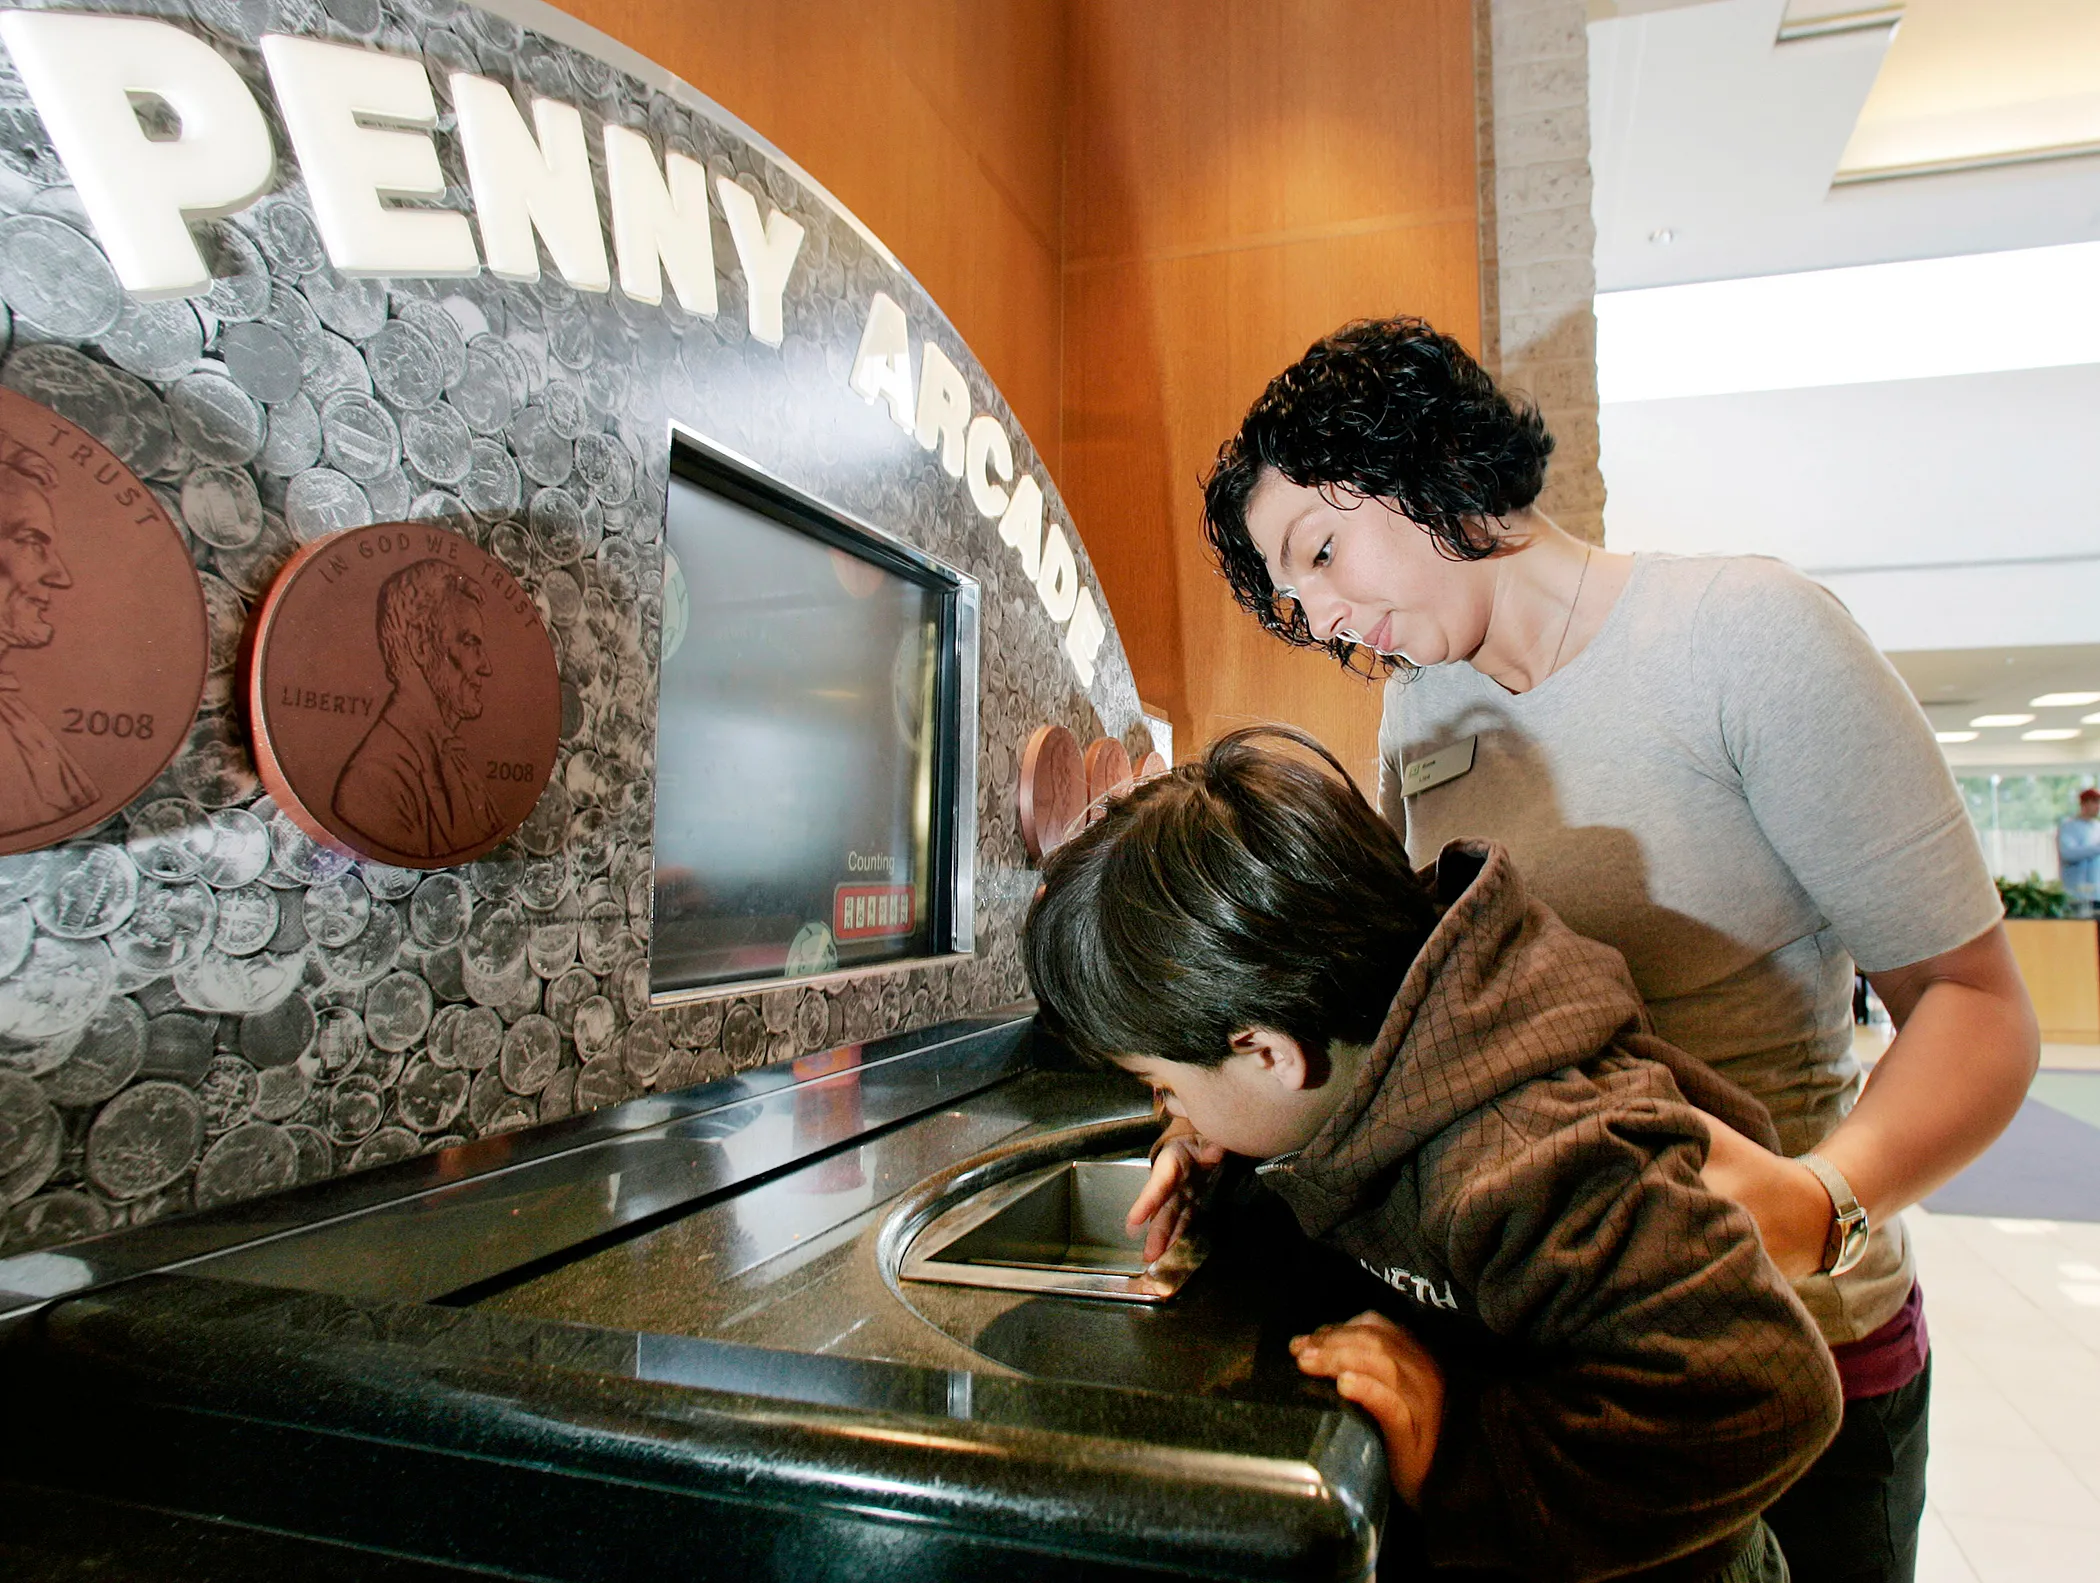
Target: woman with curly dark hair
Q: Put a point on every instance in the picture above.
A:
(1701, 761)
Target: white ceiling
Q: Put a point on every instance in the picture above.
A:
(1706, 130)
(1957, 685)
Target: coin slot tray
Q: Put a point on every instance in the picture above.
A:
(1055, 1231)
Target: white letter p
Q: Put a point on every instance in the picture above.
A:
(141, 194)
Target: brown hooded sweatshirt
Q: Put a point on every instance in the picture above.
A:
(1630, 1380)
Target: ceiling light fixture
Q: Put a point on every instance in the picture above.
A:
(1954, 736)
(2064, 701)
(2053, 734)
(1663, 237)
(1988, 721)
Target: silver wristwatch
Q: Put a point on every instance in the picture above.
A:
(1847, 1244)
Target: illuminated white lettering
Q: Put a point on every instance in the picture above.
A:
(82, 72)
(882, 366)
(767, 253)
(1057, 583)
(1022, 526)
(1083, 637)
(944, 408)
(524, 184)
(659, 223)
(327, 92)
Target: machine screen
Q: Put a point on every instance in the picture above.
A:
(797, 746)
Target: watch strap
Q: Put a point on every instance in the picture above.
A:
(1847, 1243)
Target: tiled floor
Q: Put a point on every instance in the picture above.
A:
(2014, 1481)
(2013, 1488)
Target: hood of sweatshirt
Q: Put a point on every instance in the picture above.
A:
(1502, 992)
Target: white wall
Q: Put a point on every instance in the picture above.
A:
(1947, 513)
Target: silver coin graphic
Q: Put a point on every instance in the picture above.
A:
(545, 454)
(531, 1055)
(279, 1037)
(337, 366)
(437, 443)
(121, 411)
(645, 1049)
(292, 438)
(481, 393)
(30, 1135)
(337, 911)
(240, 287)
(85, 891)
(220, 506)
(239, 852)
(281, 1091)
(369, 957)
(262, 360)
(595, 1026)
(169, 925)
(405, 366)
(321, 501)
(439, 910)
(389, 495)
(558, 1098)
(252, 1159)
(227, 1092)
(212, 981)
(50, 1220)
(397, 1011)
(297, 859)
(354, 1109)
(550, 944)
(431, 1097)
(316, 1154)
(215, 418)
(384, 1147)
(447, 344)
(491, 487)
(56, 276)
(154, 340)
(170, 839)
(353, 308)
(108, 1055)
(358, 435)
(291, 317)
(288, 237)
(566, 409)
(339, 1043)
(388, 883)
(436, 505)
(144, 1139)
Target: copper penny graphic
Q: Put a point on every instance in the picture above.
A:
(1107, 770)
(1052, 791)
(1151, 766)
(402, 694)
(103, 637)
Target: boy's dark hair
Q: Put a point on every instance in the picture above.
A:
(1386, 409)
(1246, 889)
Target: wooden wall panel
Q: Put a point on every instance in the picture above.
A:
(937, 122)
(1241, 177)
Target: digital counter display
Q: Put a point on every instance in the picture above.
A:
(798, 746)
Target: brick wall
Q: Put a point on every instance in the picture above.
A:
(1537, 240)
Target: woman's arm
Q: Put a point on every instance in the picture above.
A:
(1964, 1053)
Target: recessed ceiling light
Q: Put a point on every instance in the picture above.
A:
(2052, 735)
(1663, 237)
(1954, 736)
(2002, 720)
(2089, 720)
(2064, 701)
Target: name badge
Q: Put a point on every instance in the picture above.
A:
(1445, 764)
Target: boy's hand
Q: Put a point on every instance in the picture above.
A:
(1785, 1198)
(1390, 1375)
(1180, 1160)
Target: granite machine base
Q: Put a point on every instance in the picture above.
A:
(673, 1338)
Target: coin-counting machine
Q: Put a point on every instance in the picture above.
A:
(459, 1117)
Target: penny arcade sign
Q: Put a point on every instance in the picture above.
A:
(363, 125)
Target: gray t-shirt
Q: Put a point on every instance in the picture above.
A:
(1734, 788)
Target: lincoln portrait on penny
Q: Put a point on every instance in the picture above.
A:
(410, 786)
(39, 781)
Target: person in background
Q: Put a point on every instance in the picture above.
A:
(1703, 762)
(2078, 851)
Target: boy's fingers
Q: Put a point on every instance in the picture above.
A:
(1160, 1187)
(1351, 1355)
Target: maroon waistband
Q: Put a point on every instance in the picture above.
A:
(1891, 1357)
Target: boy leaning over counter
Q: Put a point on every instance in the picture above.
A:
(1448, 1084)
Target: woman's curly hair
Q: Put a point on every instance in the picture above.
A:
(1386, 409)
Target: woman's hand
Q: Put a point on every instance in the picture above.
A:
(1180, 1162)
(1785, 1198)
(1390, 1375)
